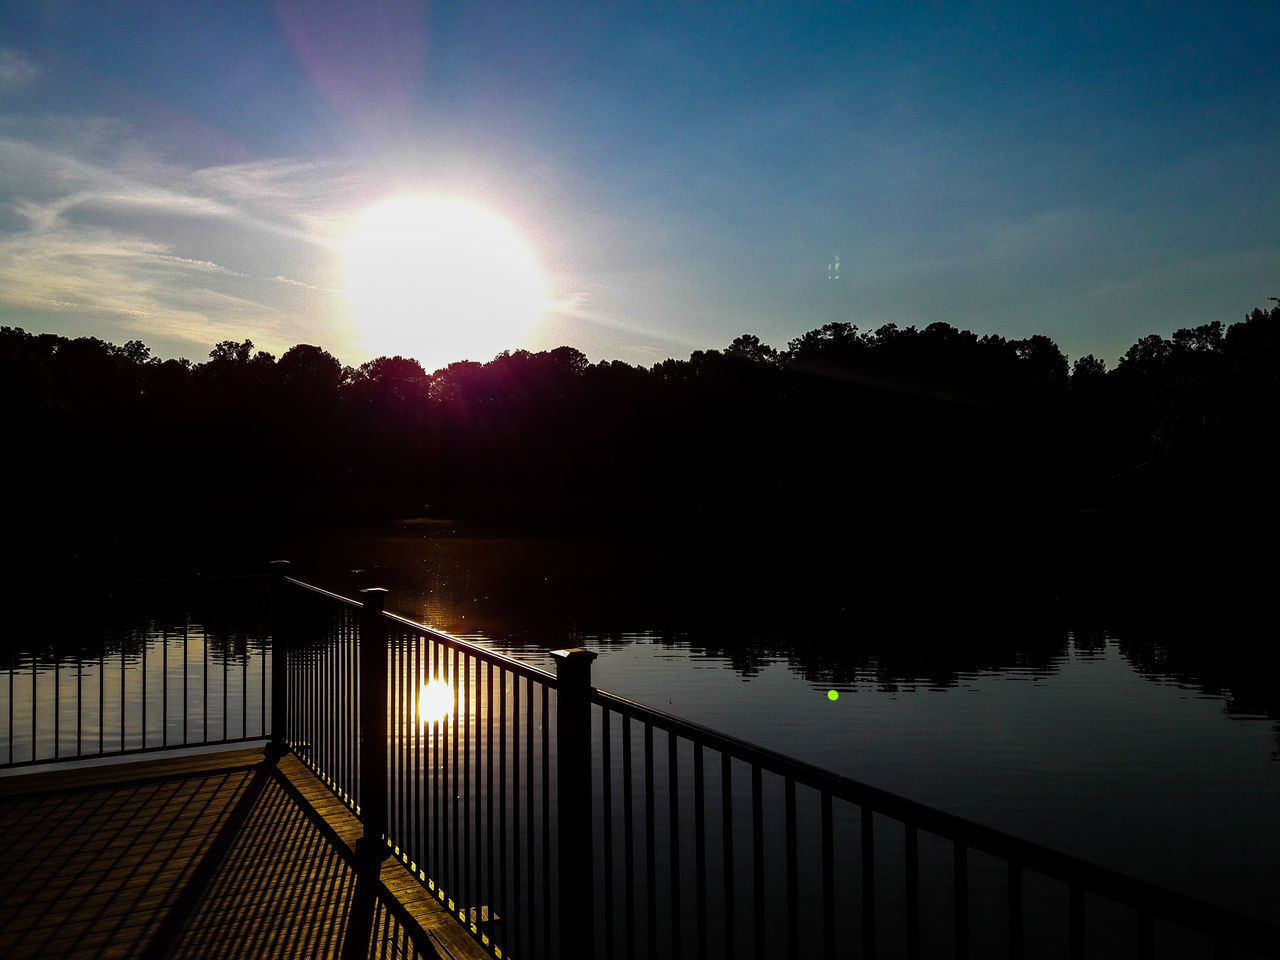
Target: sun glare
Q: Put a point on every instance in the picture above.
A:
(435, 700)
(440, 280)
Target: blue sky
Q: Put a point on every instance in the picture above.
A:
(183, 173)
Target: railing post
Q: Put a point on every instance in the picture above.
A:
(280, 627)
(573, 805)
(373, 724)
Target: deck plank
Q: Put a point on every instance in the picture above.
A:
(208, 857)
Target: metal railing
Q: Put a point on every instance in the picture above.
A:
(767, 856)
(462, 789)
(164, 667)
(557, 820)
(588, 841)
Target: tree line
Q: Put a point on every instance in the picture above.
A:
(931, 432)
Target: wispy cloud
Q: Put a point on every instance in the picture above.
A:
(289, 281)
(178, 254)
(17, 69)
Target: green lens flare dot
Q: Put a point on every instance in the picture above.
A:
(833, 695)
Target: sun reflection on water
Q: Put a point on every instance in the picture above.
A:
(435, 701)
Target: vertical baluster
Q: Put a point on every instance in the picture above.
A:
(144, 692)
(244, 690)
(204, 684)
(35, 702)
(1075, 906)
(435, 787)
(502, 898)
(262, 685)
(1146, 936)
(13, 666)
(417, 800)
(102, 701)
(628, 839)
(757, 857)
(185, 617)
(408, 726)
(226, 666)
(531, 917)
(79, 700)
(961, 863)
(793, 871)
(546, 823)
(456, 871)
(329, 686)
(673, 827)
(606, 820)
(288, 706)
(868, 882)
(351, 684)
(329, 689)
(913, 891)
(325, 748)
(313, 681)
(516, 837)
(650, 841)
(342, 727)
(395, 706)
(477, 894)
(699, 848)
(726, 803)
(347, 666)
(487, 896)
(1015, 912)
(164, 690)
(828, 880)
(123, 744)
(404, 721)
(468, 893)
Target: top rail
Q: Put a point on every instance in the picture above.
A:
(519, 667)
(484, 654)
(321, 592)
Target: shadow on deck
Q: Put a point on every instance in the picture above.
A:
(223, 855)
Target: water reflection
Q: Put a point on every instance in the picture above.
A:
(101, 670)
(435, 701)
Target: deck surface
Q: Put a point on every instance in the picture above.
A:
(224, 855)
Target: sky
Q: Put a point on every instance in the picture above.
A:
(186, 173)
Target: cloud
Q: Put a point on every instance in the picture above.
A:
(17, 69)
(289, 281)
(93, 226)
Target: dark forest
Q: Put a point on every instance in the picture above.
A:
(908, 455)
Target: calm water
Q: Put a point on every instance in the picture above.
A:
(1094, 744)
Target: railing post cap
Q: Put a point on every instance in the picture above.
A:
(574, 655)
(279, 567)
(374, 597)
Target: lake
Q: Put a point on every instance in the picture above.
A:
(1125, 746)
(1116, 747)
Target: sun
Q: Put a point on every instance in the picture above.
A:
(440, 280)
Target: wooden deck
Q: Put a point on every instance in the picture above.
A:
(224, 855)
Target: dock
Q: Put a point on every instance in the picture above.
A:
(221, 855)
(369, 786)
